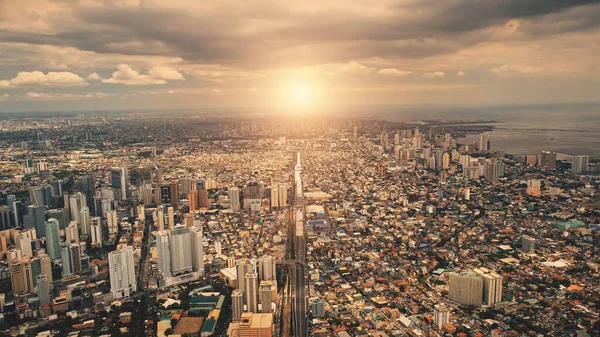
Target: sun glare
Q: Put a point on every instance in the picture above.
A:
(300, 95)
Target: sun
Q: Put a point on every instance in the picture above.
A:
(300, 95)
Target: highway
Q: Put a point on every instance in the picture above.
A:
(293, 313)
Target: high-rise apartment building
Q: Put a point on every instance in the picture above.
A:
(492, 285)
(251, 291)
(440, 315)
(119, 182)
(52, 238)
(43, 289)
(528, 244)
(237, 304)
(266, 268)
(548, 160)
(265, 298)
(174, 190)
(164, 254)
(465, 288)
(21, 276)
(96, 232)
(72, 233)
(579, 164)
(197, 249)
(234, 198)
(180, 244)
(203, 199)
(122, 272)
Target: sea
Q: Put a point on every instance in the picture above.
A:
(568, 129)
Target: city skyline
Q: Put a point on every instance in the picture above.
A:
(295, 56)
(369, 168)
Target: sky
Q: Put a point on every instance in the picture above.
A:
(295, 55)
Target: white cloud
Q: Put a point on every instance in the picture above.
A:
(38, 78)
(156, 75)
(253, 89)
(216, 92)
(165, 73)
(49, 96)
(508, 70)
(394, 72)
(433, 74)
(354, 67)
(461, 73)
(94, 77)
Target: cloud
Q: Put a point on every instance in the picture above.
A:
(50, 96)
(165, 73)
(433, 74)
(394, 72)
(461, 73)
(94, 77)
(38, 78)
(508, 70)
(283, 33)
(156, 75)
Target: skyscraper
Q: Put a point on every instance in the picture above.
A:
(203, 199)
(72, 233)
(548, 160)
(492, 173)
(528, 244)
(197, 249)
(112, 222)
(251, 291)
(171, 213)
(24, 242)
(440, 315)
(87, 186)
(266, 268)
(43, 289)
(465, 288)
(193, 200)
(318, 308)
(96, 232)
(76, 203)
(234, 198)
(483, 142)
(580, 164)
(35, 218)
(75, 257)
(186, 185)
(84, 221)
(241, 275)
(60, 215)
(265, 298)
(164, 254)
(21, 276)
(42, 264)
(52, 239)
(237, 304)
(492, 285)
(122, 272)
(119, 182)
(180, 244)
(65, 257)
(174, 194)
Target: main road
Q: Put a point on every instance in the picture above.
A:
(294, 311)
